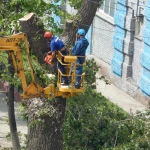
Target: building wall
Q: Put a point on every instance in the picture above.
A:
(122, 46)
(102, 36)
(137, 69)
(145, 57)
(89, 36)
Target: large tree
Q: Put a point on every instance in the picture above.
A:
(45, 118)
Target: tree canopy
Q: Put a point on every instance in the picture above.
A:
(12, 10)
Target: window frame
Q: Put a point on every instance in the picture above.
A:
(103, 6)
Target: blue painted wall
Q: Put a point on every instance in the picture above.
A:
(118, 39)
(88, 36)
(57, 18)
(145, 58)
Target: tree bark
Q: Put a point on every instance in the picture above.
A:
(11, 112)
(45, 131)
(48, 134)
(86, 15)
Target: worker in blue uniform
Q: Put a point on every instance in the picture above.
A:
(57, 45)
(79, 49)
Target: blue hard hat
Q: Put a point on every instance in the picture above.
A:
(81, 32)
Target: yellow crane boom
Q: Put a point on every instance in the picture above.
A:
(12, 45)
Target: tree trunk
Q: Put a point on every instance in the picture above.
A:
(86, 15)
(11, 112)
(45, 128)
(45, 124)
(48, 134)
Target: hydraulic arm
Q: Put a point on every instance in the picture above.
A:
(12, 45)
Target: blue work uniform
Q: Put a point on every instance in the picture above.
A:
(56, 45)
(79, 50)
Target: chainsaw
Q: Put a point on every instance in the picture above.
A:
(47, 58)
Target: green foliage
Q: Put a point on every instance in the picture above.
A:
(36, 122)
(4, 73)
(3, 61)
(92, 122)
(77, 4)
(12, 11)
(39, 72)
(23, 111)
(8, 136)
(90, 70)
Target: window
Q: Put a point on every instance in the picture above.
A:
(139, 25)
(109, 7)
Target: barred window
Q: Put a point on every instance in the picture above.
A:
(109, 7)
